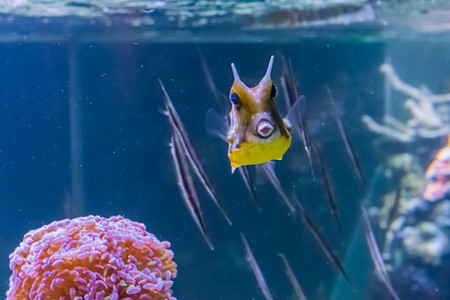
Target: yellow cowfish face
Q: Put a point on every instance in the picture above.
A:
(257, 133)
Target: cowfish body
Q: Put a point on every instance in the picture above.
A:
(257, 133)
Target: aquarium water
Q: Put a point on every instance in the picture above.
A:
(83, 131)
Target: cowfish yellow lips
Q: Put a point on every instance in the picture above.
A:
(251, 153)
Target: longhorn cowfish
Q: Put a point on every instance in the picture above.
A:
(257, 133)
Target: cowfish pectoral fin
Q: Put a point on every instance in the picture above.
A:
(295, 112)
(216, 124)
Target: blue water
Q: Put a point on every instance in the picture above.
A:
(126, 167)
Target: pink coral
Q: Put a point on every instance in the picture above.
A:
(91, 258)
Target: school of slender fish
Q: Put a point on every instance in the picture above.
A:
(257, 136)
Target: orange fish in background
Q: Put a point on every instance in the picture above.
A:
(438, 175)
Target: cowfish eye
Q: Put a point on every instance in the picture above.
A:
(234, 98)
(273, 91)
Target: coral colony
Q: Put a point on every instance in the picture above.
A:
(417, 244)
(430, 113)
(91, 258)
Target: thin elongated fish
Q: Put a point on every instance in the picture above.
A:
(218, 96)
(257, 134)
(375, 253)
(186, 185)
(256, 270)
(292, 279)
(293, 97)
(248, 181)
(322, 242)
(191, 154)
(288, 83)
(268, 169)
(331, 196)
(303, 132)
(393, 211)
(345, 139)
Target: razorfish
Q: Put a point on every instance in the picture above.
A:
(257, 133)
(291, 276)
(190, 153)
(344, 136)
(256, 270)
(376, 255)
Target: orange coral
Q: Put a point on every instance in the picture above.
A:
(91, 258)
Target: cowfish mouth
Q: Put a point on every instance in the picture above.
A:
(264, 128)
(264, 125)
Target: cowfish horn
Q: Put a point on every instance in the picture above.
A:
(237, 80)
(266, 79)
